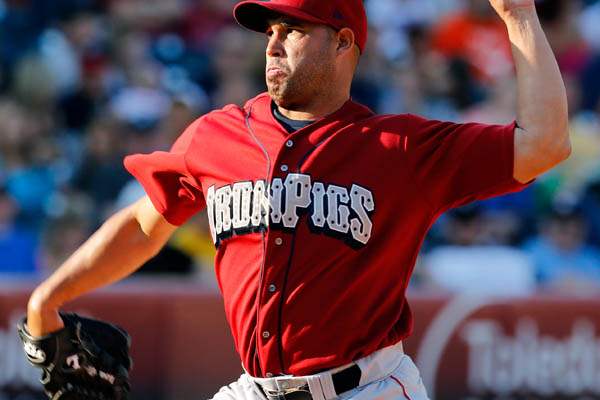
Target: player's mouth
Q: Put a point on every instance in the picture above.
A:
(274, 72)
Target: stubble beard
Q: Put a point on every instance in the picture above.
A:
(290, 92)
(279, 90)
(296, 91)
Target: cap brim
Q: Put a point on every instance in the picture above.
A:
(255, 14)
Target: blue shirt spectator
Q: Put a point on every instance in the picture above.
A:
(17, 245)
(560, 253)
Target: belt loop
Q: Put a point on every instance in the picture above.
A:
(328, 387)
(314, 385)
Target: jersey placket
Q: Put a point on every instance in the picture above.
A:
(278, 262)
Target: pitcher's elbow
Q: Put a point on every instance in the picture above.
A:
(554, 142)
(564, 149)
(567, 151)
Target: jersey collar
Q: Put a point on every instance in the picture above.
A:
(260, 108)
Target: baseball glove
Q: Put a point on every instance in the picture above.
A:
(87, 359)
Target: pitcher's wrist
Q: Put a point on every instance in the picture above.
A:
(42, 299)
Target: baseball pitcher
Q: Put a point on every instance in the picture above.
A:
(317, 207)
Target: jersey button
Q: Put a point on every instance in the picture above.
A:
(279, 241)
(266, 334)
(272, 288)
(289, 143)
(284, 168)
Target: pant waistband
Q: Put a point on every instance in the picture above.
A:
(373, 367)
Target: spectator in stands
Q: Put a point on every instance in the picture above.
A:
(392, 19)
(195, 239)
(499, 106)
(591, 209)
(476, 36)
(469, 264)
(204, 19)
(562, 258)
(101, 174)
(64, 231)
(170, 260)
(235, 59)
(21, 23)
(560, 22)
(68, 66)
(27, 153)
(17, 244)
(147, 15)
(590, 28)
(590, 83)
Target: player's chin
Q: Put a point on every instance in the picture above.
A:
(275, 81)
(277, 92)
(284, 93)
(282, 101)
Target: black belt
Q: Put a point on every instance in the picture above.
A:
(346, 379)
(343, 381)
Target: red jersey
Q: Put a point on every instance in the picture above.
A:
(318, 231)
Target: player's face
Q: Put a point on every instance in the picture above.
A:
(300, 62)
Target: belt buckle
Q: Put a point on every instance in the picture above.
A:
(301, 393)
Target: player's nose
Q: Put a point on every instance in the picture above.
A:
(275, 45)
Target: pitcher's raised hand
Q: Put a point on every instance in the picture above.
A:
(505, 8)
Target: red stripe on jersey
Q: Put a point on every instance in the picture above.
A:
(402, 386)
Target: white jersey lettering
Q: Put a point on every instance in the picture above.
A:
(276, 198)
(245, 207)
(362, 204)
(297, 190)
(223, 209)
(242, 197)
(318, 215)
(338, 213)
(260, 205)
(210, 210)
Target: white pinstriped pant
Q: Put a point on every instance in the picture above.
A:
(386, 374)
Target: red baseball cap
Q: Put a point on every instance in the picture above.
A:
(254, 14)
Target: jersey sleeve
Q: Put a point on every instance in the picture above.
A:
(455, 164)
(174, 191)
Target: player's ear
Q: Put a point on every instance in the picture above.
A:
(345, 40)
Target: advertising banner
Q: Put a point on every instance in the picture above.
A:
(467, 348)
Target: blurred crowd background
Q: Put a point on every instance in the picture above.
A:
(85, 82)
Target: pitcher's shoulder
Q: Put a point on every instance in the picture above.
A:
(395, 123)
(236, 112)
